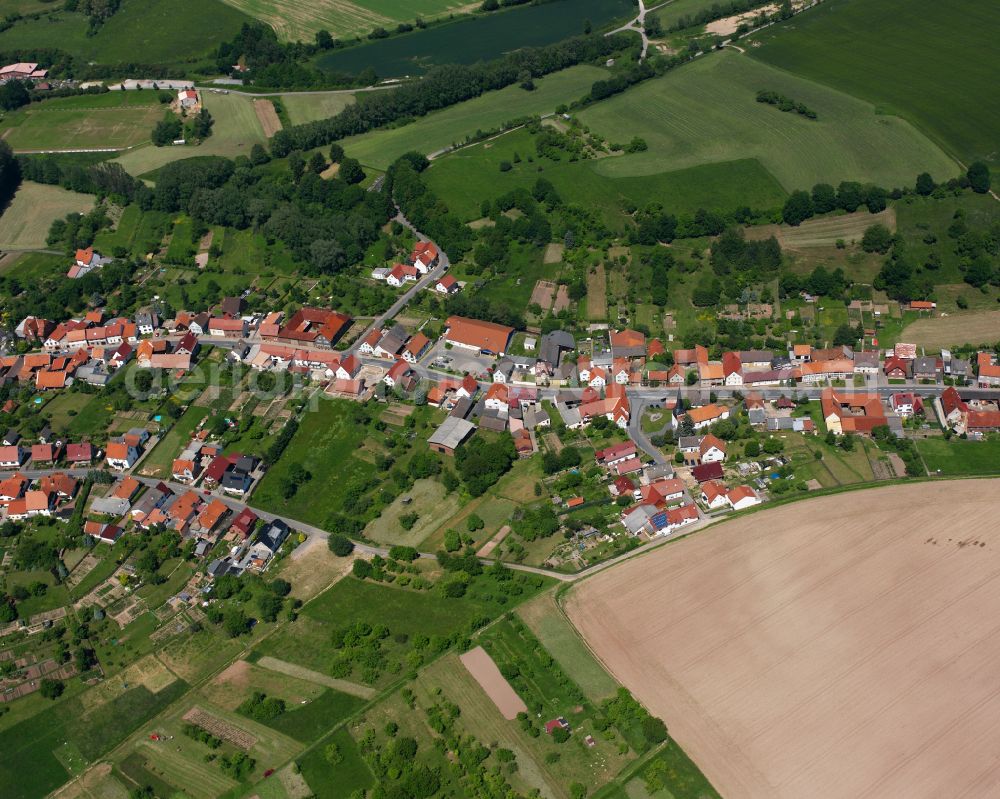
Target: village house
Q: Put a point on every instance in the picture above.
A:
(315, 327)
(906, 404)
(711, 449)
(615, 454)
(732, 369)
(447, 285)
(400, 274)
(397, 374)
(706, 415)
(988, 371)
(849, 412)
(628, 344)
(416, 347)
(11, 457)
(742, 497)
(450, 434)
(227, 327)
(121, 456)
(424, 256)
(713, 494)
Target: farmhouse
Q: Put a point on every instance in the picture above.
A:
(846, 412)
(628, 344)
(316, 327)
(707, 415)
(472, 334)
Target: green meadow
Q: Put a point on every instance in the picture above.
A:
(449, 126)
(141, 31)
(706, 112)
(923, 60)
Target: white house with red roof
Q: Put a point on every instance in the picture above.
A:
(400, 274)
(85, 262)
(396, 373)
(424, 256)
(742, 497)
(447, 285)
(187, 98)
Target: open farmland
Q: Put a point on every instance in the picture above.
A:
(236, 130)
(977, 327)
(115, 119)
(707, 111)
(150, 31)
(926, 70)
(25, 223)
(293, 20)
(304, 108)
(829, 649)
(449, 126)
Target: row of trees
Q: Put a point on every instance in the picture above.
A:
(444, 86)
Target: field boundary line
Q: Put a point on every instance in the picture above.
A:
(344, 686)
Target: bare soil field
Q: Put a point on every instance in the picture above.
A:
(542, 294)
(267, 116)
(824, 232)
(845, 647)
(481, 666)
(220, 728)
(947, 331)
(562, 299)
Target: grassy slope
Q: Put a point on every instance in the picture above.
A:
(706, 112)
(443, 128)
(25, 222)
(146, 31)
(294, 20)
(235, 131)
(927, 70)
(304, 108)
(469, 176)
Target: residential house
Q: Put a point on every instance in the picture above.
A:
(711, 374)
(45, 453)
(424, 255)
(11, 438)
(691, 358)
(497, 398)
(754, 360)
(33, 503)
(397, 374)
(244, 523)
(742, 497)
(866, 362)
(906, 404)
(119, 455)
(732, 369)
(824, 369)
(927, 367)
(232, 307)
(11, 457)
(77, 454)
(711, 449)
(896, 368)
(416, 347)
(989, 371)
(447, 285)
(713, 494)
(13, 488)
(211, 515)
(615, 454)
(146, 322)
(186, 470)
(628, 344)
(852, 412)
(554, 345)
(227, 327)
(400, 274)
(707, 471)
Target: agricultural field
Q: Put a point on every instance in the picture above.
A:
(472, 174)
(442, 129)
(942, 332)
(294, 21)
(304, 108)
(236, 130)
(24, 224)
(706, 112)
(922, 72)
(481, 37)
(115, 119)
(849, 691)
(153, 31)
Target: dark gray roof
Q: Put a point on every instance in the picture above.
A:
(462, 408)
(12, 437)
(552, 346)
(274, 535)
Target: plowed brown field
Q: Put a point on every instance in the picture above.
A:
(836, 648)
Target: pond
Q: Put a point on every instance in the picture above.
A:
(481, 37)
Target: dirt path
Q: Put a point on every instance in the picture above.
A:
(344, 686)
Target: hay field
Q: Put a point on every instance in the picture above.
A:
(824, 231)
(707, 112)
(841, 647)
(294, 20)
(25, 223)
(236, 130)
(304, 108)
(948, 331)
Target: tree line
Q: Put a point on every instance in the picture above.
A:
(443, 86)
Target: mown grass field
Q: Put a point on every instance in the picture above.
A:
(973, 327)
(115, 119)
(293, 20)
(450, 126)
(927, 69)
(467, 177)
(141, 31)
(236, 130)
(961, 458)
(25, 223)
(304, 108)
(706, 112)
